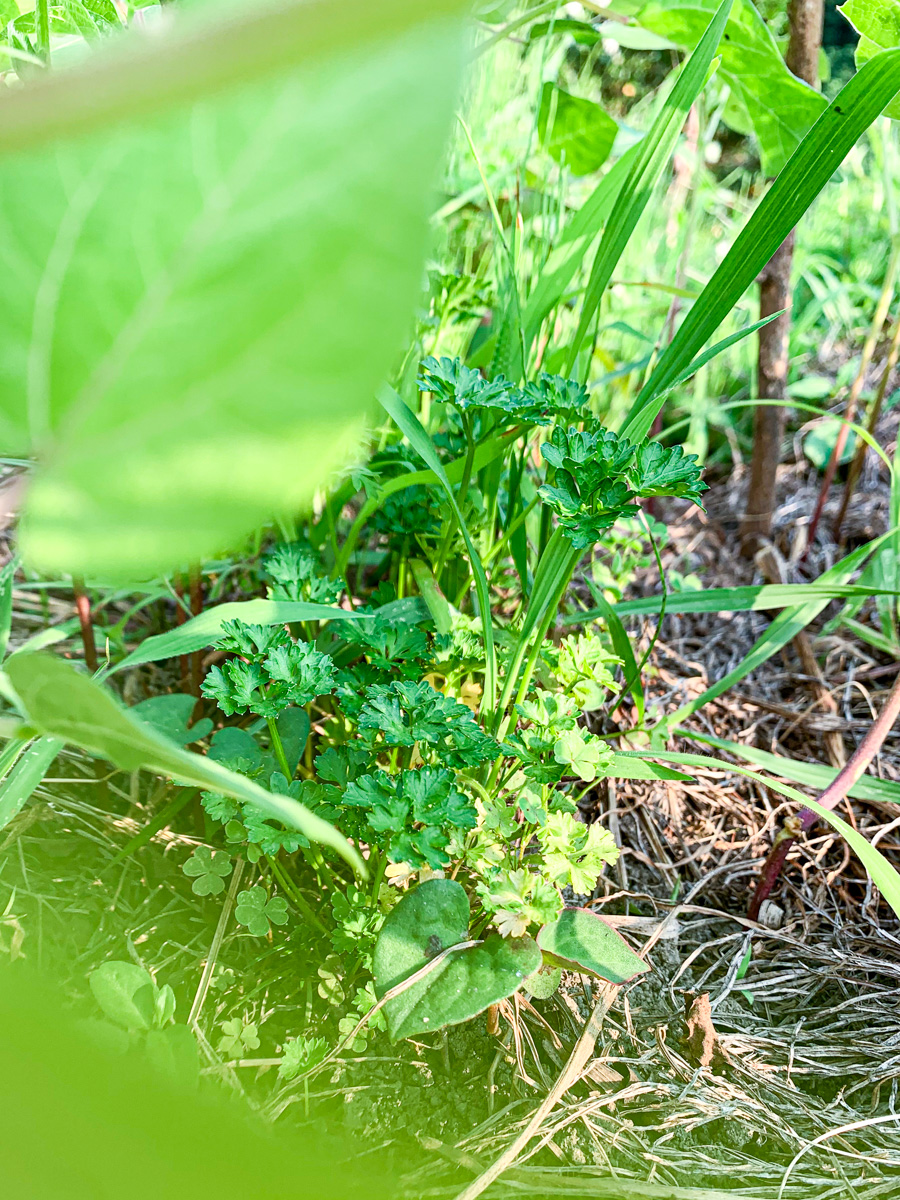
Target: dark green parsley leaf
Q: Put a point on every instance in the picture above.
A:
(424, 847)
(303, 671)
(436, 801)
(453, 382)
(251, 641)
(294, 568)
(342, 764)
(667, 471)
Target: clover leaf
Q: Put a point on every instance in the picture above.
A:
(237, 1038)
(208, 869)
(254, 910)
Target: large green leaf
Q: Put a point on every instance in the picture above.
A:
(878, 24)
(579, 940)
(777, 106)
(426, 922)
(63, 703)
(574, 131)
(811, 166)
(199, 301)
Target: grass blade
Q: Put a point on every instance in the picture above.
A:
(783, 629)
(412, 430)
(885, 878)
(759, 598)
(653, 152)
(813, 775)
(202, 631)
(622, 646)
(17, 788)
(65, 704)
(808, 170)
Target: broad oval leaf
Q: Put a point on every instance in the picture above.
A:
(579, 940)
(125, 992)
(200, 300)
(574, 130)
(428, 920)
(63, 703)
(777, 106)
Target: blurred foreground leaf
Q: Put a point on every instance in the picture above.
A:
(199, 301)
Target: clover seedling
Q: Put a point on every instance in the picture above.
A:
(256, 911)
(208, 870)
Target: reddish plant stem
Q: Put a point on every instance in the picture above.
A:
(836, 791)
(83, 608)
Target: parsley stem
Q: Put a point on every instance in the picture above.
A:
(292, 892)
(278, 747)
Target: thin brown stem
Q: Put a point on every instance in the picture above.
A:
(859, 457)
(83, 608)
(836, 791)
(849, 414)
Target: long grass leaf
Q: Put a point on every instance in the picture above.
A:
(807, 171)
(813, 775)
(64, 704)
(783, 629)
(758, 598)
(18, 787)
(886, 879)
(202, 631)
(653, 152)
(412, 430)
(574, 242)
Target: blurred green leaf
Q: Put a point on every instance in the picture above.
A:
(201, 300)
(574, 131)
(125, 992)
(878, 24)
(170, 716)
